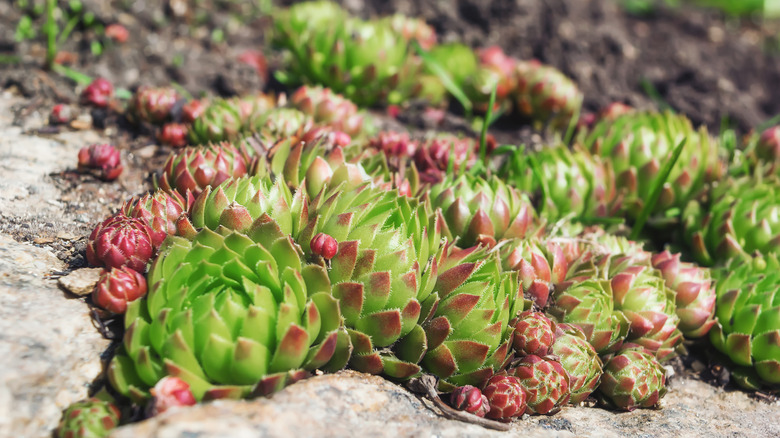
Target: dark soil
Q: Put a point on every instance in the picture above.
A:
(698, 63)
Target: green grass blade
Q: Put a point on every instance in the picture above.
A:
(77, 77)
(483, 133)
(658, 185)
(445, 79)
(651, 92)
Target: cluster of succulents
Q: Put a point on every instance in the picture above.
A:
(285, 238)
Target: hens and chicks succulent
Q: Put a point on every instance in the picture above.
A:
(289, 237)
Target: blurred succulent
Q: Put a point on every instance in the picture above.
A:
(565, 182)
(457, 59)
(170, 392)
(230, 316)
(98, 93)
(539, 266)
(748, 324)
(632, 379)
(695, 293)
(743, 217)
(192, 169)
(153, 105)
(579, 359)
(545, 383)
(768, 145)
(545, 94)
(482, 211)
(470, 399)
(192, 110)
(381, 273)
(117, 287)
(589, 305)
(435, 155)
(394, 144)
(534, 334)
(219, 121)
(496, 71)
(413, 29)
(91, 418)
(282, 123)
(366, 61)
(103, 159)
(60, 114)
(328, 108)
(469, 336)
(160, 211)
(310, 165)
(506, 398)
(120, 241)
(173, 134)
(637, 146)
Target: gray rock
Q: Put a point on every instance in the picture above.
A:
(81, 281)
(49, 350)
(351, 404)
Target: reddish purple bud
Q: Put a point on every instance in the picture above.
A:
(60, 114)
(173, 134)
(506, 398)
(104, 158)
(117, 32)
(191, 110)
(256, 59)
(171, 392)
(324, 245)
(470, 399)
(118, 287)
(534, 334)
(120, 241)
(153, 105)
(98, 93)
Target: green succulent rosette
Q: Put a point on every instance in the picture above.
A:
(367, 61)
(382, 274)
(579, 359)
(632, 379)
(477, 210)
(589, 305)
(748, 319)
(742, 218)
(91, 418)
(247, 204)
(230, 316)
(545, 94)
(309, 165)
(565, 182)
(638, 144)
(469, 336)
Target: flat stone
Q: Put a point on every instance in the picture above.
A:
(81, 281)
(351, 404)
(49, 349)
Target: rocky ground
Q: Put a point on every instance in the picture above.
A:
(50, 351)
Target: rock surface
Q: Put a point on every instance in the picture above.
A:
(354, 404)
(49, 350)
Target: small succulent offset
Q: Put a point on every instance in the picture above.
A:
(119, 241)
(506, 397)
(170, 392)
(539, 266)
(545, 383)
(545, 94)
(160, 211)
(91, 418)
(229, 316)
(470, 399)
(153, 105)
(534, 334)
(117, 287)
(328, 108)
(98, 93)
(102, 159)
(579, 359)
(748, 324)
(632, 379)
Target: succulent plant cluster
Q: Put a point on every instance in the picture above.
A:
(286, 238)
